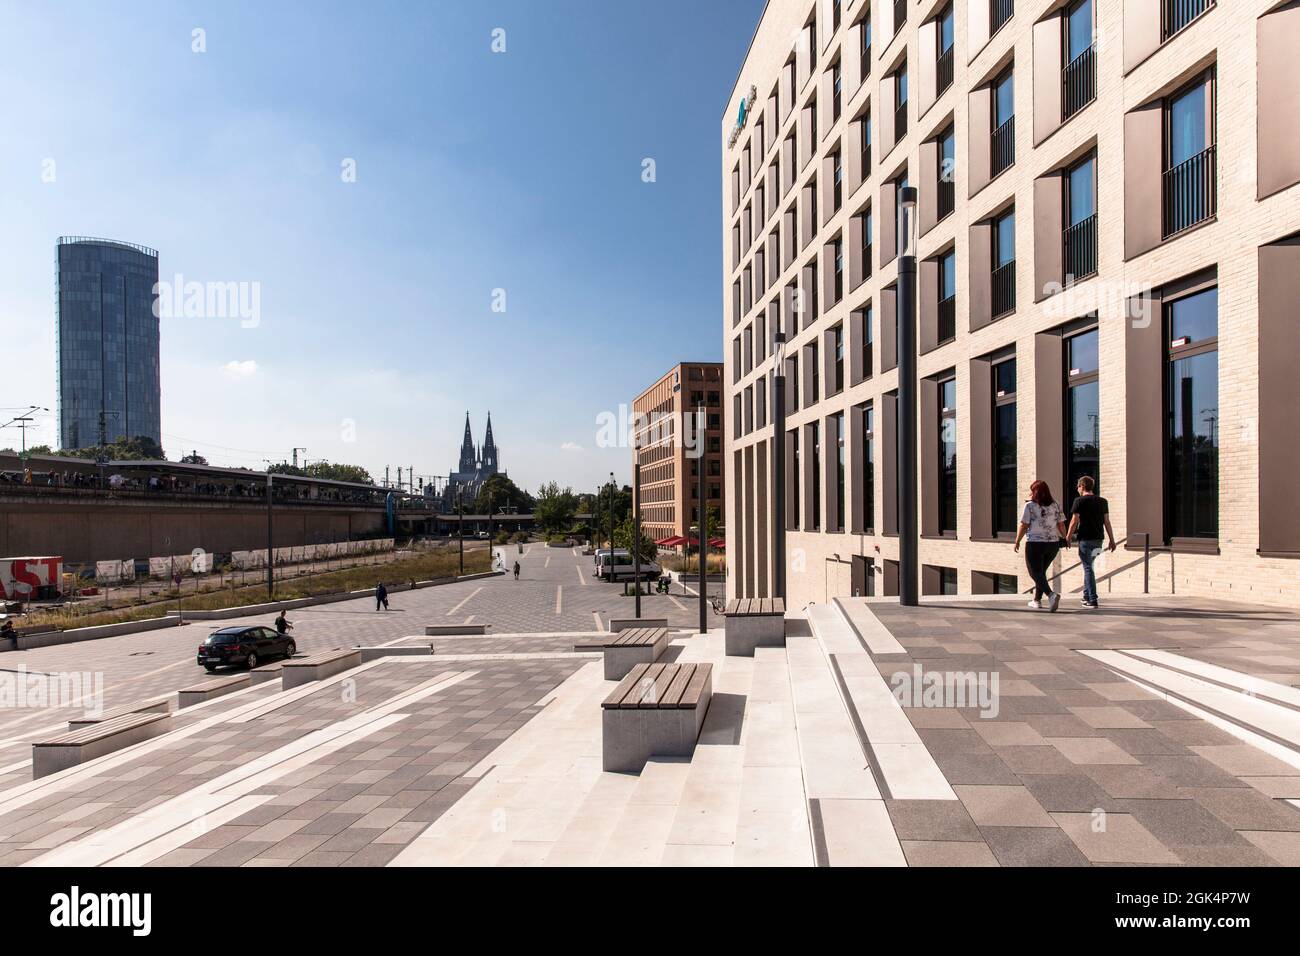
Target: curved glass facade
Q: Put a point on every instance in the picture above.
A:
(107, 341)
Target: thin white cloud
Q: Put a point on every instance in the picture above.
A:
(244, 369)
(570, 446)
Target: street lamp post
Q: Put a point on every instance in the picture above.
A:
(270, 537)
(778, 466)
(611, 527)
(460, 527)
(636, 524)
(702, 444)
(908, 545)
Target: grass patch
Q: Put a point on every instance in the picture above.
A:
(417, 566)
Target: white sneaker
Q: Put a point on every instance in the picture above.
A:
(1035, 606)
(1054, 601)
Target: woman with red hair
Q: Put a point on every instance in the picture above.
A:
(1044, 523)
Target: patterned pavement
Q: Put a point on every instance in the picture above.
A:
(350, 801)
(1080, 766)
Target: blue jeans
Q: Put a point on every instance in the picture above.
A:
(1088, 551)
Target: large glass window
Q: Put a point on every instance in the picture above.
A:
(837, 342)
(868, 320)
(948, 456)
(868, 468)
(816, 451)
(1005, 513)
(839, 472)
(1192, 469)
(947, 172)
(1082, 196)
(795, 518)
(1078, 29)
(1004, 99)
(1083, 437)
(1187, 132)
(947, 315)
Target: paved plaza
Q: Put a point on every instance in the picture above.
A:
(966, 732)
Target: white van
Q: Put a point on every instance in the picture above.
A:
(621, 567)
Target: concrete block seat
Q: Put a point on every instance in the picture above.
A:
(753, 622)
(627, 623)
(208, 689)
(153, 705)
(638, 645)
(444, 630)
(657, 709)
(96, 740)
(304, 670)
(267, 672)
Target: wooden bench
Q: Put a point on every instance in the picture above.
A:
(209, 689)
(154, 705)
(318, 666)
(96, 740)
(637, 645)
(753, 622)
(445, 630)
(624, 624)
(655, 709)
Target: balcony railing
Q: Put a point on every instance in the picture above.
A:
(1003, 147)
(1176, 14)
(946, 192)
(900, 122)
(947, 319)
(900, 14)
(1079, 83)
(1081, 249)
(999, 13)
(1191, 192)
(1004, 289)
(943, 72)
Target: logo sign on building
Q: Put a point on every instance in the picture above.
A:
(23, 578)
(742, 117)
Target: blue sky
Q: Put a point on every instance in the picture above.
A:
(475, 171)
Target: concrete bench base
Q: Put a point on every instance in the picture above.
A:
(154, 705)
(209, 689)
(267, 672)
(623, 624)
(96, 740)
(743, 634)
(410, 650)
(620, 659)
(445, 630)
(318, 666)
(632, 733)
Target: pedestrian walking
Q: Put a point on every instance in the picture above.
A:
(282, 624)
(516, 570)
(381, 596)
(1089, 517)
(1044, 524)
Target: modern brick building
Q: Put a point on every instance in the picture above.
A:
(1109, 272)
(667, 439)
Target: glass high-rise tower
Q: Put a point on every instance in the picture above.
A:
(107, 341)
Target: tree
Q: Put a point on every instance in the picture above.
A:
(624, 534)
(555, 508)
(194, 458)
(499, 492)
(712, 525)
(137, 448)
(326, 470)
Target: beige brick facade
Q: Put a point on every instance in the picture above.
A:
(1224, 38)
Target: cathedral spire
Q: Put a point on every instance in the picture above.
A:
(489, 449)
(467, 456)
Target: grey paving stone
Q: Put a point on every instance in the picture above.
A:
(1032, 846)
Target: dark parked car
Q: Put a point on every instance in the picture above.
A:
(244, 645)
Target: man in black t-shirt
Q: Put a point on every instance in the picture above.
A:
(1089, 517)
